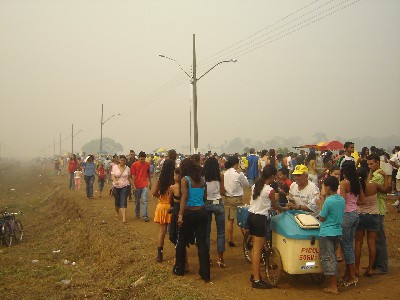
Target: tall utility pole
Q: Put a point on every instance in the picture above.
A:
(60, 143)
(194, 83)
(72, 139)
(101, 130)
(101, 126)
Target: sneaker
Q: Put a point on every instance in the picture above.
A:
(146, 219)
(396, 204)
(260, 284)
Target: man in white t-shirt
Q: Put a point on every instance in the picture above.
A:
(395, 162)
(348, 151)
(303, 194)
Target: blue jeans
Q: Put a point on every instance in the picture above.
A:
(71, 181)
(141, 194)
(89, 185)
(120, 196)
(381, 261)
(219, 212)
(349, 226)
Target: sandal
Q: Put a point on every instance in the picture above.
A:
(354, 282)
(221, 263)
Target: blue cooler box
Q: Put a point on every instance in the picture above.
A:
(242, 212)
(298, 247)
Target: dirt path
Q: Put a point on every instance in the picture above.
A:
(117, 261)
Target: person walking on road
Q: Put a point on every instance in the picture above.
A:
(141, 177)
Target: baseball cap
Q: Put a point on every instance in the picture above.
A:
(300, 169)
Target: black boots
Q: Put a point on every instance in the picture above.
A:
(160, 254)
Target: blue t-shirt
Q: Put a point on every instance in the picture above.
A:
(252, 171)
(89, 169)
(333, 211)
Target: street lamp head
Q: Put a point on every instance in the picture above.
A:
(233, 60)
(161, 55)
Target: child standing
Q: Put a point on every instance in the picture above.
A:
(101, 174)
(77, 178)
(330, 231)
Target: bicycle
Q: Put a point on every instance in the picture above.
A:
(271, 262)
(5, 232)
(12, 228)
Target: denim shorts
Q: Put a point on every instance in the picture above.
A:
(328, 246)
(368, 222)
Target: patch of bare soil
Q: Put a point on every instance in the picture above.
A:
(113, 260)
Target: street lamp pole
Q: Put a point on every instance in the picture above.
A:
(101, 130)
(194, 85)
(193, 82)
(73, 137)
(101, 126)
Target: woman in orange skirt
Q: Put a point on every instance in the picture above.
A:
(162, 215)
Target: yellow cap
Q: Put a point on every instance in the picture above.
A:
(300, 169)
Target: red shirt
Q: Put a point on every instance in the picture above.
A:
(71, 166)
(101, 173)
(288, 183)
(140, 171)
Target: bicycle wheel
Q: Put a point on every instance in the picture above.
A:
(247, 246)
(6, 234)
(273, 268)
(18, 230)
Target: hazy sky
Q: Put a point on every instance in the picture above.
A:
(61, 59)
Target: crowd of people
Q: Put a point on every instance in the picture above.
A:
(346, 192)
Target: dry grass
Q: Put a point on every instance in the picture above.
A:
(117, 261)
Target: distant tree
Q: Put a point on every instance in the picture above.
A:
(109, 146)
(246, 150)
(235, 145)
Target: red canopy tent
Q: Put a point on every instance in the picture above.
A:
(329, 145)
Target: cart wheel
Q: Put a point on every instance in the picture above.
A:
(273, 266)
(247, 246)
(318, 278)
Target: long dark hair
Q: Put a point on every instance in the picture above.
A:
(167, 176)
(362, 175)
(191, 169)
(271, 154)
(268, 171)
(211, 170)
(349, 171)
(364, 152)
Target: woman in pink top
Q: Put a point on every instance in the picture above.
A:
(368, 219)
(350, 190)
(122, 181)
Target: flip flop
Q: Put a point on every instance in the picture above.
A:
(330, 291)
